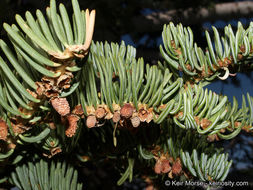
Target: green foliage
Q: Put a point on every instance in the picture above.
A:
(232, 50)
(37, 175)
(215, 168)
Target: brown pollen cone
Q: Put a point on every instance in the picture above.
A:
(204, 123)
(127, 110)
(91, 121)
(158, 167)
(61, 105)
(116, 117)
(166, 166)
(212, 138)
(135, 121)
(3, 130)
(177, 167)
(100, 113)
(72, 120)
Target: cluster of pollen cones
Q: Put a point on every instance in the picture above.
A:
(165, 164)
(125, 116)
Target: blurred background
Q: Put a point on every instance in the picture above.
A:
(139, 23)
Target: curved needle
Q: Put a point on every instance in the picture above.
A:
(226, 75)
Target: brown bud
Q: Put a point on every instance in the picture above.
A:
(135, 121)
(204, 123)
(64, 81)
(246, 128)
(177, 167)
(127, 110)
(212, 138)
(61, 105)
(19, 128)
(12, 146)
(72, 120)
(166, 166)
(51, 93)
(91, 121)
(3, 130)
(52, 125)
(158, 167)
(116, 117)
(100, 113)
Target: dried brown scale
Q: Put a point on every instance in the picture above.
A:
(220, 63)
(162, 106)
(237, 124)
(188, 67)
(242, 48)
(179, 114)
(212, 138)
(3, 130)
(79, 51)
(52, 143)
(187, 84)
(11, 143)
(53, 151)
(40, 88)
(222, 130)
(78, 110)
(143, 115)
(32, 93)
(63, 82)
(51, 93)
(19, 128)
(204, 123)
(247, 128)
(156, 150)
(178, 51)
(91, 121)
(196, 118)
